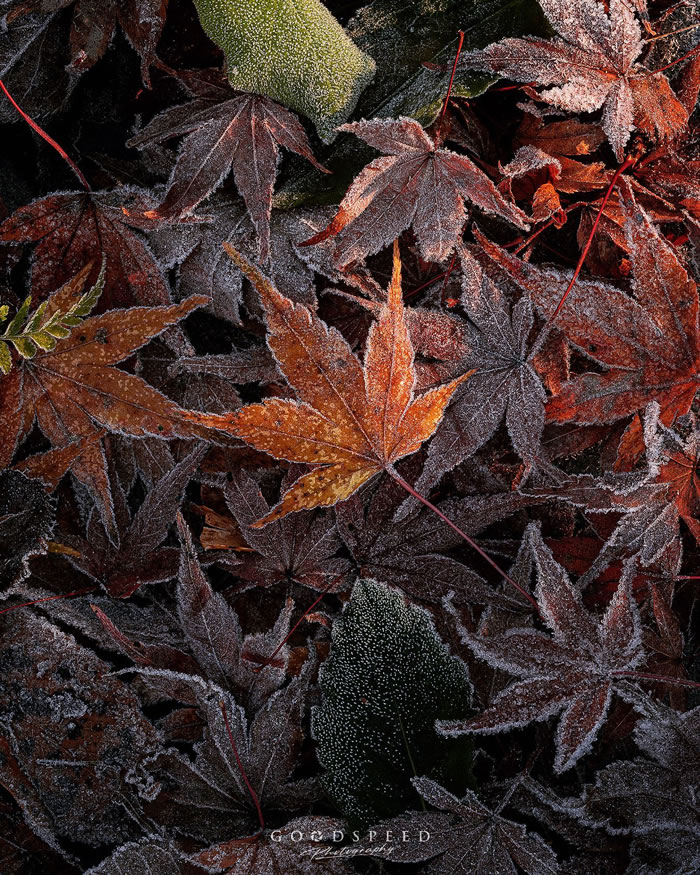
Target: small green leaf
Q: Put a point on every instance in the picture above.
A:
(44, 340)
(20, 316)
(5, 358)
(24, 346)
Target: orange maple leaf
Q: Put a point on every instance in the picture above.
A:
(74, 392)
(352, 421)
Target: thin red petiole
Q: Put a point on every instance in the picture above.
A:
(659, 36)
(50, 140)
(464, 535)
(584, 252)
(253, 794)
(514, 87)
(298, 623)
(50, 598)
(424, 285)
(438, 130)
(678, 60)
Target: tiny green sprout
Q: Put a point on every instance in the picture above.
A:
(29, 333)
(293, 51)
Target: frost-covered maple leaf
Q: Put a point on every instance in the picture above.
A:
(74, 390)
(225, 129)
(300, 548)
(505, 385)
(73, 716)
(648, 345)
(137, 557)
(207, 796)
(409, 551)
(418, 184)
(592, 64)
(351, 422)
(466, 838)
(574, 670)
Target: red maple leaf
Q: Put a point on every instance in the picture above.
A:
(592, 65)
(78, 228)
(647, 345)
(418, 184)
(225, 129)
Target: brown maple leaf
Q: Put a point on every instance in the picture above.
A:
(417, 184)
(592, 64)
(226, 129)
(74, 390)
(352, 422)
(575, 670)
(648, 346)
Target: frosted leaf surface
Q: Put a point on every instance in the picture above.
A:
(386, 681)
(215, 637)
(69, 732)
(408, 550)
(504, 386)
(299, 547)
(226, 131)
(207, 797)
(648, 345)
(570, 671)
(655, 799)
(417, 184)
(591, 65)
(147, 857)
(467, 838)
(26, 521)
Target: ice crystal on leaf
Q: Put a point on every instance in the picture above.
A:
(74, 229)
(386, 681)
(592, 65)
(572, 670)
(208, 797)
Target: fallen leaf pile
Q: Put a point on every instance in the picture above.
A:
(349, 476)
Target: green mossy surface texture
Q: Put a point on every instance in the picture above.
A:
(388, 678)
(293, 51)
